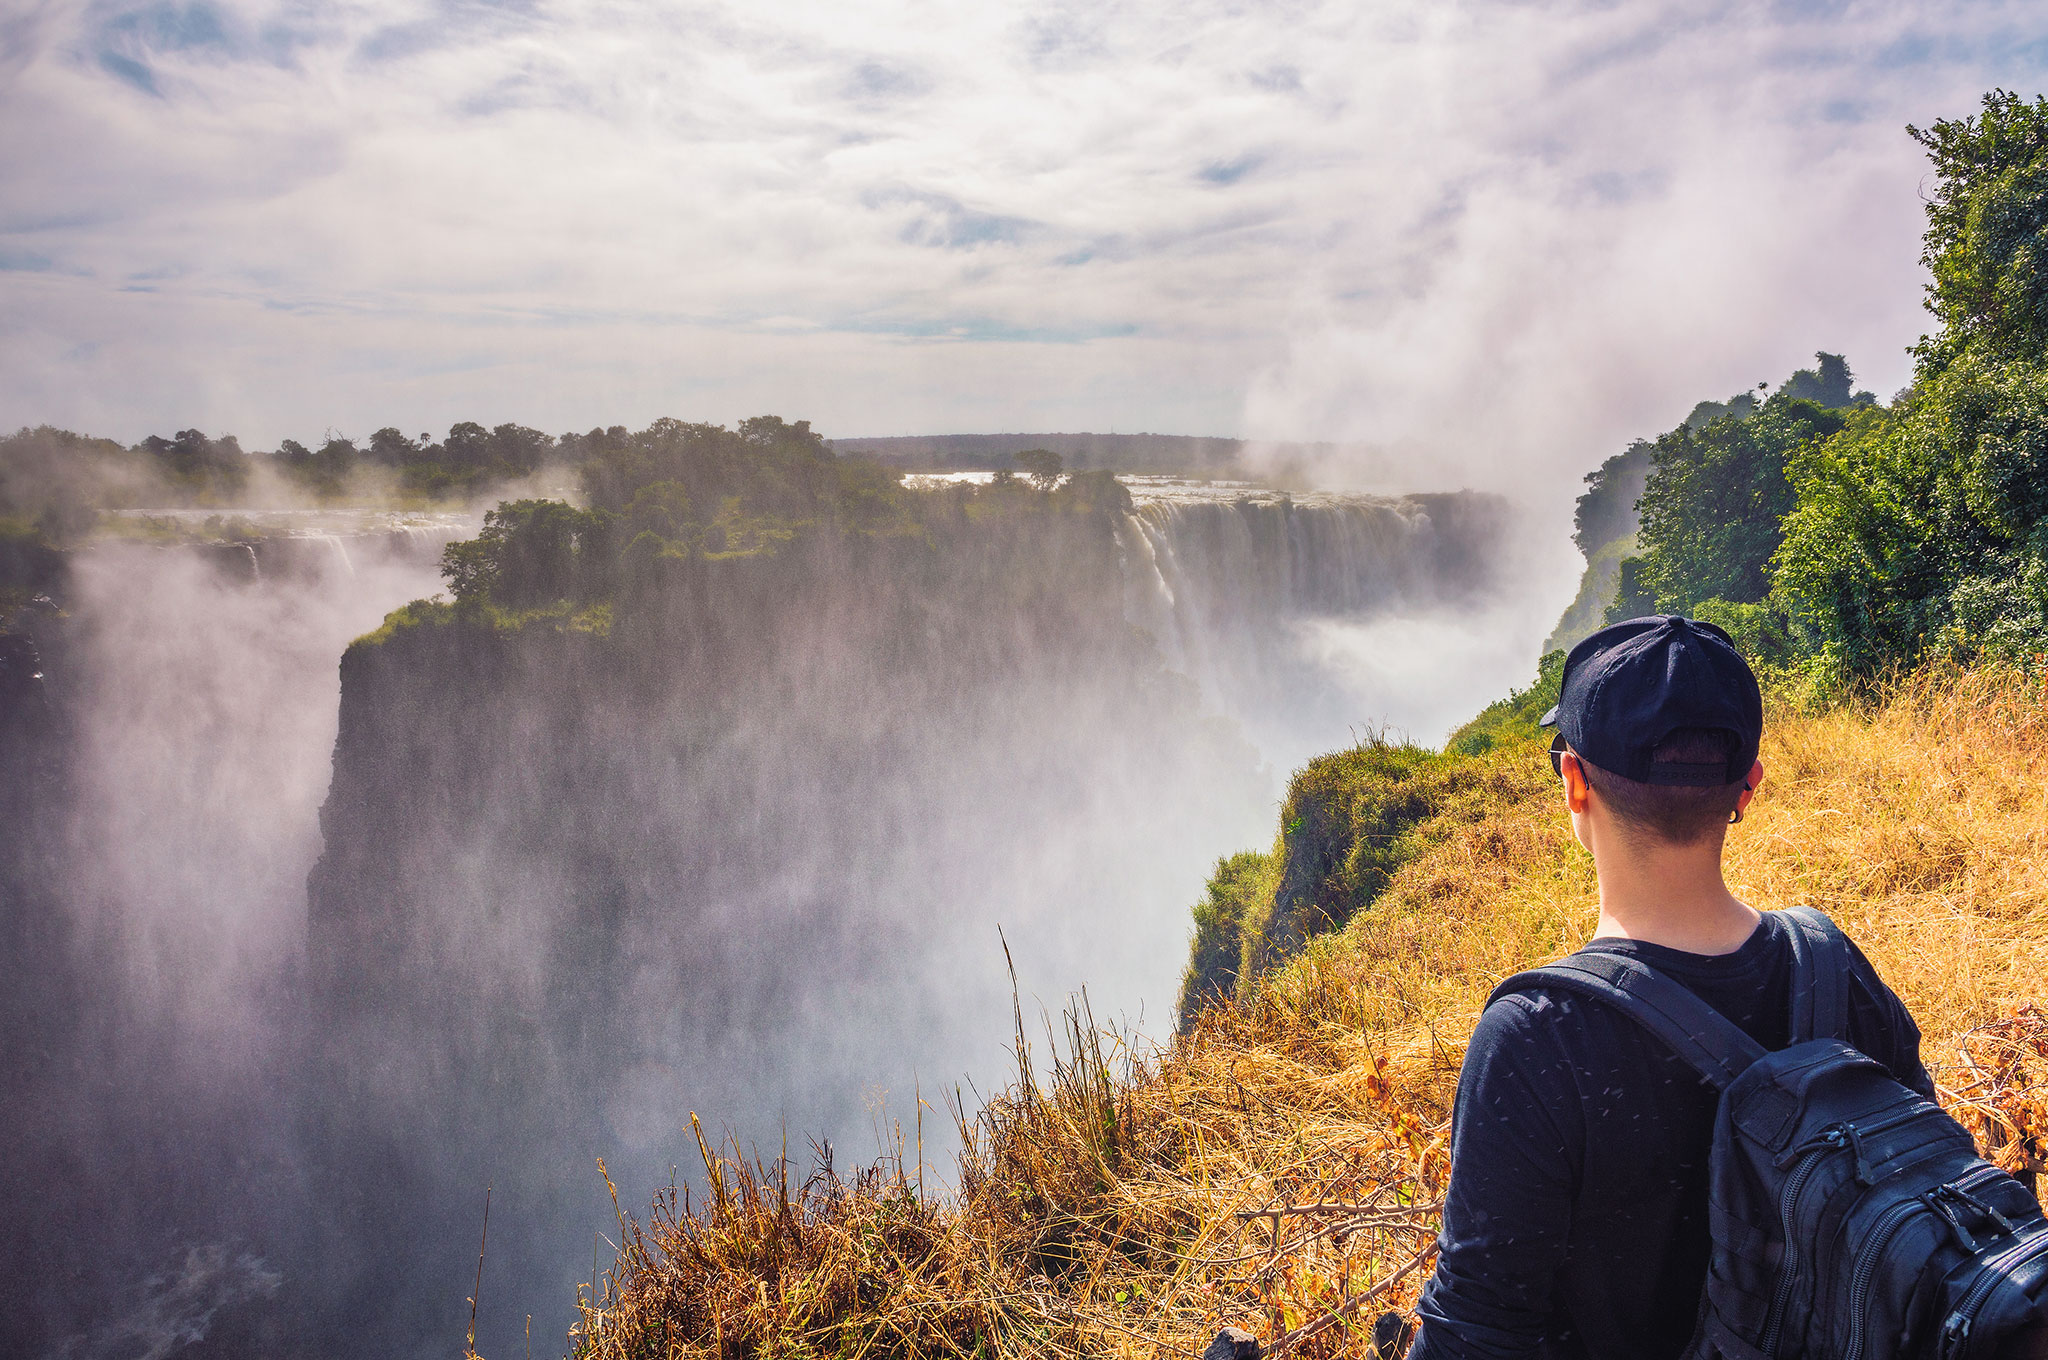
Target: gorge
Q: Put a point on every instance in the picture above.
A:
(525, 885)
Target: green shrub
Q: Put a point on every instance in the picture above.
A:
(1348, 823)
(1243, 884)
(1760, 631)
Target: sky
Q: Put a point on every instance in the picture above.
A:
(1484, 243)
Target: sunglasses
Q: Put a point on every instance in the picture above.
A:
(1557, 749)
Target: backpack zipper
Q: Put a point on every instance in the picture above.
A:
(1837, 1135)
(1955, 1332)
(1834, 1138)
(1886, 1229)
(1788, 1199)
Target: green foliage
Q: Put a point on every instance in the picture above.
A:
(1513, 719)
(1828, 383)
(1761, 631)
(1633, 597)
(674, 494)
(1344, 830)
(418, 614)
(1351, 821)
(326, 471)
(1925, 530)
(533, 553)
(773, 467)
(1987, 232)
(471, 459)
(59, 481)
(213, 469)
(1607, 507)
(1712, 442)
(1042, 466)
(28, 564)
(1741, 406)
(1712, 508)
(1242, 884)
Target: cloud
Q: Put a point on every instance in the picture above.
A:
(1491, 241)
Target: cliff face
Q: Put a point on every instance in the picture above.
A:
(744, 850)
(39, 990)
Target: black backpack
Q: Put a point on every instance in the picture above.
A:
(1851, 1218)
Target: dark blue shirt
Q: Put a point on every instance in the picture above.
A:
(1576, 1223)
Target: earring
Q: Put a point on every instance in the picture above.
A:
(1735, 817)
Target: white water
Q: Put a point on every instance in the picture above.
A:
(1310, 617)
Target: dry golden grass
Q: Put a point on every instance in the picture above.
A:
(1278, 1167)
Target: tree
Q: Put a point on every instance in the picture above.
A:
(334, 462)
(206, 466)
(1987, 231)
(468, 445)
(1926, 528)
(517, 450)
(1607, 507)
(1042, 466)
(391, 448)
(532, 553)
(1828, 383)
(1712, 506)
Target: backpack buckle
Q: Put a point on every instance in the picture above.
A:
(1942, 1196)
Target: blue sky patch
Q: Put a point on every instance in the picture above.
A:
(1229, 172)
(130, 71)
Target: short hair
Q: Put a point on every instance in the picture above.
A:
(1677, 813)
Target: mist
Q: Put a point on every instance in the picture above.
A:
(341, 945)
(192, 716)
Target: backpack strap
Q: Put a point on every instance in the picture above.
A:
(1820, 976)
(1714, 1045)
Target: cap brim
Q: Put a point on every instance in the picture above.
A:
(1548, 720)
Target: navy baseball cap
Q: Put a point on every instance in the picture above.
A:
(1631, 685)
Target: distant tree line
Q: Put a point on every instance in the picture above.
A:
(469, 459)
(679, 492)
(58, 481)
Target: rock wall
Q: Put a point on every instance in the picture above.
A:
(745, 853)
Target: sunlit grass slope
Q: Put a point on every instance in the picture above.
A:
(1276, 1168)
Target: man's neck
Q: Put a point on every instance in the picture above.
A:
(1671, 895)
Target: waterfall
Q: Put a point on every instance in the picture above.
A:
(340, 552)
(1240, 587)
(420, 543)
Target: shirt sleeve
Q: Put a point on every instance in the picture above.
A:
(1513, 1177)
(1892, 1026)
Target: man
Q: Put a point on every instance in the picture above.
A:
(1576, 1223)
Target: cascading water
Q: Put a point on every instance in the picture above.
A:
(1241, 587)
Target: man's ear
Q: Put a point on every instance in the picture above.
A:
(1750, 784)
(1577, 791)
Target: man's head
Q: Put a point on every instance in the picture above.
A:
(1663, 718)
